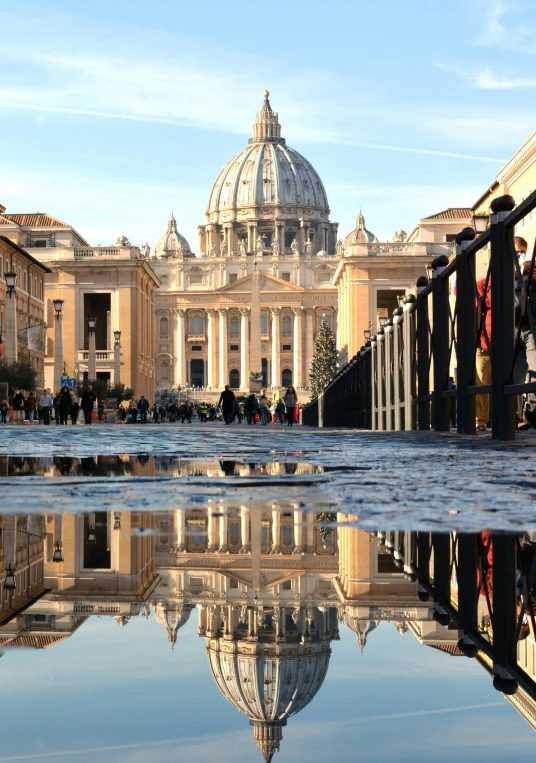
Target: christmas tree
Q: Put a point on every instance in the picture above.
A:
(325, 361)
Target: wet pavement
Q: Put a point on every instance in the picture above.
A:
(390, 480)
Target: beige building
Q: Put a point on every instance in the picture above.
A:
(371, 275)
(253, 298)
(28, 308)
(115, 285)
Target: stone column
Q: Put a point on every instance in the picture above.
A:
(276, 347)
(212, 528)
(224, 371)
(244, 348)
(224, 523)
(276, 532)
(244, 529)
(211, 370)
(297, 373)
(180, 349)
(180, 520)
(298, 532)
(309, 341)
(92, 357)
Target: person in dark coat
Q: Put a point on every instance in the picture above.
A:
(143, 407)
(64, 404)
(227, 403)
(88, 403)
(75, 408)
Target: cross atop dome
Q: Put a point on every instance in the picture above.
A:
(266, 127)
(172, 224)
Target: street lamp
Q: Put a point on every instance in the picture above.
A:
(58, 553)
(117, 358)
(382, 321)
(58, 306)
(367, 333)
(400, 299)
(91, 358)
(11, 278)
(117, 520)
(58, 344)
(91, 323)
(480, 223)
(117, 336)
(10, 583)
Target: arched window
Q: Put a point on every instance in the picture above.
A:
(197, 324)
(164, 370)
(234, 378)
(164, 326)
(286, 377)
(287, 325)
(233, 326)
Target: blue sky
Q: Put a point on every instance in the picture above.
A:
(114, 112)
(120, 695)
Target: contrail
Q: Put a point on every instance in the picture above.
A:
(347, 141)
(164, 742)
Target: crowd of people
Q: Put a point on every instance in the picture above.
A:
(66, 406)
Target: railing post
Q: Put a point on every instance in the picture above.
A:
(467, 592)
(441, 544)
(504, 609)
(380, 354)
(440, 343)
(502, 320)
(423, 356)
(409, 366)
(368, 386)
(465, 332)
(373, 384)
(423, 564)
(398, 317)
(320, 408)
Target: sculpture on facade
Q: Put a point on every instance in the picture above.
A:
(146, 249)
(223, 248)
(340, 247)
(122, 241)
(242, 247)
(180, 250)
(275, 247)
(295, 246)
(211, 249)
(400, 236)
(260, 245)
(308, 247)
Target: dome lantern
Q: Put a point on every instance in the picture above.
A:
(267, 127)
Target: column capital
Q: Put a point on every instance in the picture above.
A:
(297, 310)
(211, 311)
(223, 311)
(275, 310)
(310, 309)
(244, 310)
(180, 312)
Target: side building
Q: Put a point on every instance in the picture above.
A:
(114, 285)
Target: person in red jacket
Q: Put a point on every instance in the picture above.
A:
(483, 360)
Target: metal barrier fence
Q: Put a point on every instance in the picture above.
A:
(401, 378)
(483, 585)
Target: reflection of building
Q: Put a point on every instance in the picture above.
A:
(113, 284)
(267, 213)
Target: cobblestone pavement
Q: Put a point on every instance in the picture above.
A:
(404, 480)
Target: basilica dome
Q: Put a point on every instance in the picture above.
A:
(172, 617)
(360, 234)
(172, 244)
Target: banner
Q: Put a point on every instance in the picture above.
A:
(37, 338)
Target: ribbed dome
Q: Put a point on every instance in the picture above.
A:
(360, 235)
(267, 172)
(361, 628)
(172, 618)
(172, 244)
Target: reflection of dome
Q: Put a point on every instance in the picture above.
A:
(267, 172)
(172, 244)
(268, 682)
(361, 628)
(172, 617)
(360, 235)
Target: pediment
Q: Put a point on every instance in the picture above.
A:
(268, 282)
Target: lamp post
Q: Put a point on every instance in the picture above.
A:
(10, 341)
(58, 344)
(480, 223)
(57, 556)
(117, 358)
(91, 360)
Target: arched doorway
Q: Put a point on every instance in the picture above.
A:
(286, 377)
(197, 372)
(234, 378)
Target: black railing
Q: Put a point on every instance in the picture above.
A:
(420, 367)
(483, 585)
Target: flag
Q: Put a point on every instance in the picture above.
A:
(37, 338)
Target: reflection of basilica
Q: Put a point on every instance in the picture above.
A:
(270, 589)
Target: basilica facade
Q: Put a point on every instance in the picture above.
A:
(251, 301)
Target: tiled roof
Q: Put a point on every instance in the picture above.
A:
(33, 642)
(35, 220)
(5, 221)
(452, 213)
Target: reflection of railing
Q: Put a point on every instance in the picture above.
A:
(404, 370)
(482, 584)
(97, 609)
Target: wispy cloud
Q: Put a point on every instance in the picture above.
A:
(486, 79)
(501, 26)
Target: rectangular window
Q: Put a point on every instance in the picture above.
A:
(196, 279)
(196, 582)
(196, 348)
(287, 535)
(233, 277)
(285, 277)
(323, 276)
(233, 583)
(287, 348)
(450, 238)
(324, 586)
(40, 243)
(235, 534)
(287, 585)
(234, 348)
(1, 267)
(264, 536)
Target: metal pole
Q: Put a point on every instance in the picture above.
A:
(58, 351)
(397, 358)
(467, 591)
(92, 358)
(117, 363)
(441, 544)
(504, 609)
(465, 332)
(10, 341)
(408, 372)
(380, 371)
(423, 356)
(373, 350)
(502, 320)
(440, 344)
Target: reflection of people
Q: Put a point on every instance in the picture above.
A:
(228, 467)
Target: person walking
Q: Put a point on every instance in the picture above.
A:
(291, 402)
(264, 405)
(280, 410)
(75, 409)
(31, 404)
(227, 402)
(46, 402)
(156, 413)
(526, 296)
(202, 411)
(88, 403)
(64, 406)
(251, 409)
(4, 408)
(483, 360)
(133, 412)
(56, 405)
(18, 406)
(143, 407)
